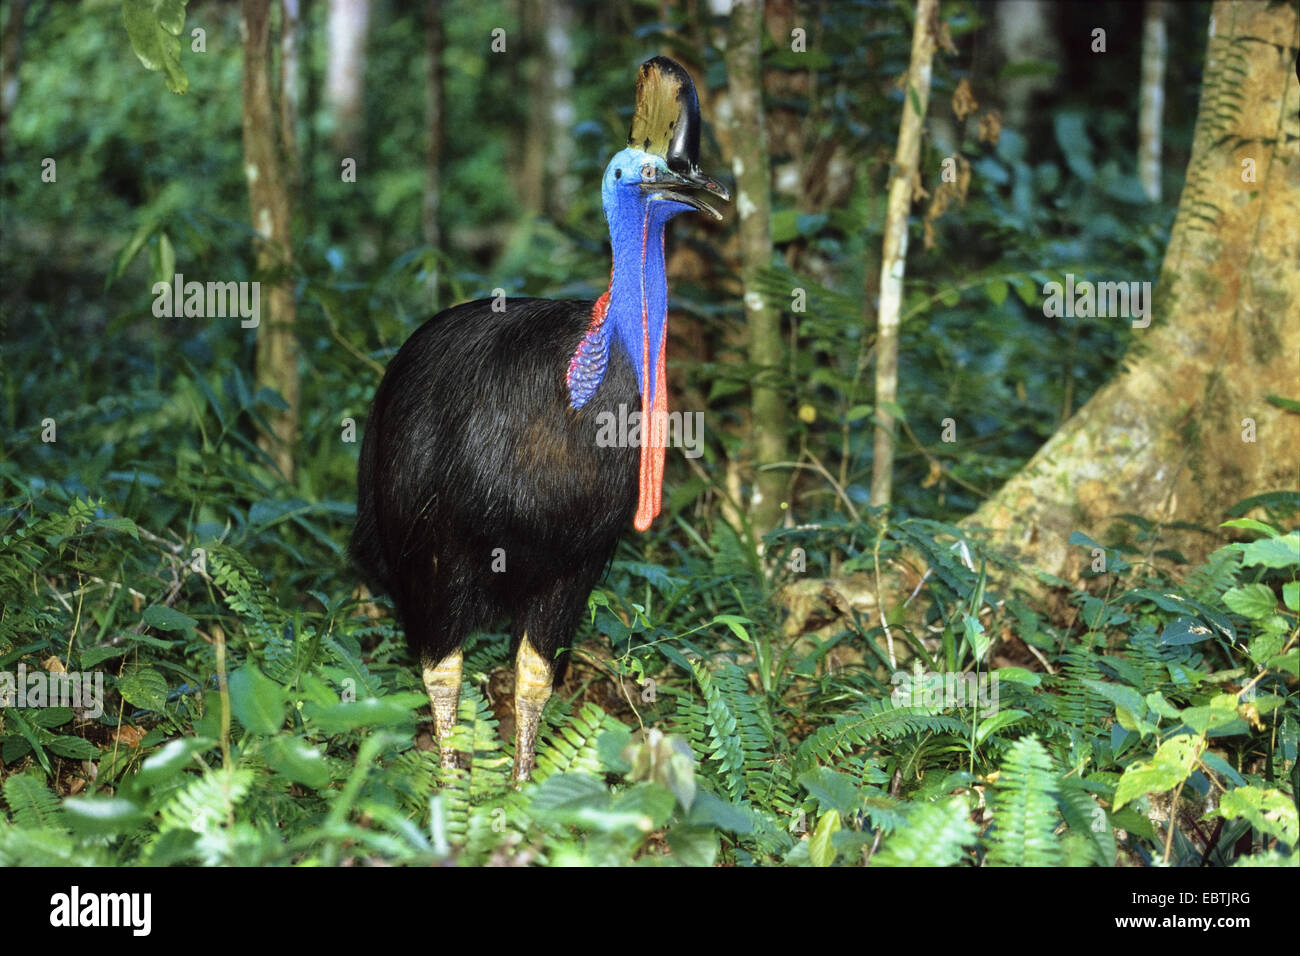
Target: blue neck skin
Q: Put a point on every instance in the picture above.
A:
(637, 312)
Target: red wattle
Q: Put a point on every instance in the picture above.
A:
(654, 442)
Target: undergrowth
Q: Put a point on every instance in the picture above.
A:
(279, 721)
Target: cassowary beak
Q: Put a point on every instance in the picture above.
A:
(686, 188)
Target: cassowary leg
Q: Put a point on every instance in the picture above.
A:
(442, 682)
(533, 676)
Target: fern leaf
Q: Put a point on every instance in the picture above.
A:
(724, 745)
(875, 720)
(935, 834)
(31, 804)
(1024, 809)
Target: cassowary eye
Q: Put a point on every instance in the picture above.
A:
(648, 172)
(618, 174)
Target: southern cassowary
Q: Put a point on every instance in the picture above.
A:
(483, 492)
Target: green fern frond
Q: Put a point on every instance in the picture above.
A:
(1078, 705)
(31, 804)
(496, 830)
(768, 780)
(1087, 819)
(690, 720)
(243, 590)
(569, 746)
(204, 804)
(478, 739)
(873, 721)
(414, 777)
(344, 652)
(724, 745)
(935, 834)
(1024, 809)
(27, 549)
(1220, 571)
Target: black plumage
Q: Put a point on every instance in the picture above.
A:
(474, 459)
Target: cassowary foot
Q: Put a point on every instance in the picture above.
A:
(533, 676)
(442, 683)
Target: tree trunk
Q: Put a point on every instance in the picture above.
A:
(1151, 98)
(290, 21)
(345, 83)
(276, 365)
(433, 121)
(1187, 428)
(754, 205)
(557, 74)
(1024, 30)
(529, 60)
(893, 260)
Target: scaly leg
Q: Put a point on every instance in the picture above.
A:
(442, 682)
(533, 675)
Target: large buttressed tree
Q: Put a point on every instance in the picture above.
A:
(1197, 418)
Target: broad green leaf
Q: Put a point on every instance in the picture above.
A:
(1018, 675)
(1157, 702)
(173, 757)
(49, 717)
(256, 700)
(1174, 761)
(96, 655)
(390, 711)
(694, 846)
(710, 810)
(153, 27)
(1250, 524)
(104, 815)
(1079, 539)
(1221, 766)
(143, 687)
(648, 804)
(168, 619)
(298, 760)
(74, 748)
(991, 725)
(1280, 552)
(975, 635)
(1027, 291)
(1268, 811)
(1121, 695)
(1185, 629)
(1250, 600)
(1219, 712)
(820, 850)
